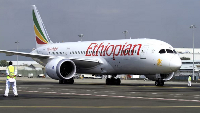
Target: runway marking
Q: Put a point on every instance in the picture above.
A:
(112, 93)
(43, 88)
(50, 92)
(84, 94)
(117, 96)
(68, 93)
(102, 107)
(178, 94)
(154, 93)
(1, 89)
(65, 89)
(165, 87)
(32, 91)
(101, 95)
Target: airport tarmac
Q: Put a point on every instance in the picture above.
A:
(44, 95)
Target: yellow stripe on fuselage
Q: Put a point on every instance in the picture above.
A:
(39, 35)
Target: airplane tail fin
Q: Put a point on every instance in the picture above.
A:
(41, 34)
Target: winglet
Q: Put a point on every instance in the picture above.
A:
(41, 34)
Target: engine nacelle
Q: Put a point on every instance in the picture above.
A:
(164, 77)
(60, 69)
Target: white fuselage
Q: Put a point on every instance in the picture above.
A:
(125, 56)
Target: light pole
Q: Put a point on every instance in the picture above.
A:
(81, 35)
(17, 55)
(126, 31)
(193, 26)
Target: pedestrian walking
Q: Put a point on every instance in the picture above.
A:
(11, 80)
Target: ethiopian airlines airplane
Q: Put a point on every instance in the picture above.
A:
(155, 59)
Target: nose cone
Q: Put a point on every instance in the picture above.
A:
(175, 63)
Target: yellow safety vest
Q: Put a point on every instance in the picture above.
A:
(11, 70)
(189, 78)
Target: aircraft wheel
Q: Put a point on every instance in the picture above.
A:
(61, 81)
(69, 81)
(157, 83)
(117, 81)
(108, 81)
(162, 83)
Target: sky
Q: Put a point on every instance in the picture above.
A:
(64, 20)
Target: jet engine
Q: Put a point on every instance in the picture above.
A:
(60, 69)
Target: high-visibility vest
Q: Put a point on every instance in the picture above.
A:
(189, 78)
(11, 71)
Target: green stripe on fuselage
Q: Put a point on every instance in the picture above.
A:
(38, 26)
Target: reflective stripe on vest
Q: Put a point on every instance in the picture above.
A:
(11, 71)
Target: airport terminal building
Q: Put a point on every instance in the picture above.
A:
(186, 55)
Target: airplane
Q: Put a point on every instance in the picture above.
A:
(155, 59)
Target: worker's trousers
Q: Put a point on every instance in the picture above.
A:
(189, 83)
(14, 86)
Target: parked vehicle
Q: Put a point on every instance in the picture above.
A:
(41, 76)
(19, 75)
(30, 75)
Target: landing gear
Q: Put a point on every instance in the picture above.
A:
(67, 81)
(159, 82)
(113, 81)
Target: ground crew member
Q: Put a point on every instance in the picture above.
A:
(189, 81)
(11, 80)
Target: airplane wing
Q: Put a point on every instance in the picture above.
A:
(32, 55)
(80, 62)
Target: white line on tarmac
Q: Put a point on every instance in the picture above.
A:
(50, 92)
(154, 93)
(84, 94)
(32, 91)
(101, 95)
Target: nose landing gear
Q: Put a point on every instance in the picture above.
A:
(159, 82)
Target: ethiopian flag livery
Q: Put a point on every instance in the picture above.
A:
(40, 31)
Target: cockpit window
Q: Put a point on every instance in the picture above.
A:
(162, 51)
(169, 51)
(175, 51)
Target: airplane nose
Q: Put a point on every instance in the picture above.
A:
(175, 63)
